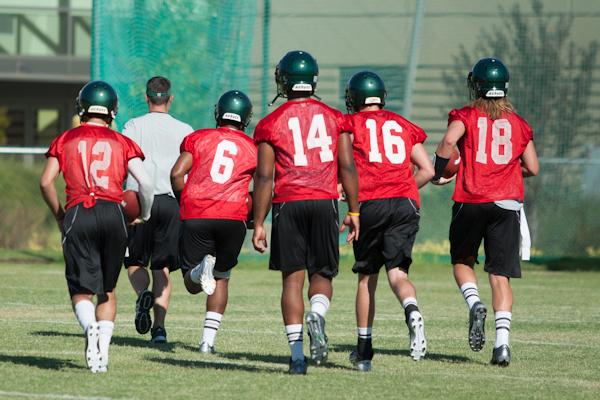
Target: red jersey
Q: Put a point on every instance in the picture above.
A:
(490, 150)
(223, 163)
(93, 160)
(304, 135)
(383, 143)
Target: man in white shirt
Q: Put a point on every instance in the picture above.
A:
(154, 244)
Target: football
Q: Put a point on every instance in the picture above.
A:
(452, 166)
(131, 205)
(250, 216)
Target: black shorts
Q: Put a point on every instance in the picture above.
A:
(388, 228)
(222, 238)
(305, 235)
(500, 230)
(155, 242)
(94, 243)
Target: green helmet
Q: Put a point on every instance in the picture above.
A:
(296, 74)
(233, 108)
(364, 88)
(97, 97)
(488, 79)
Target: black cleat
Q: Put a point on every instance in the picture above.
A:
(298, 367)
(318, 338)
(143, 305)
(501, 356)
(477, 316)
(363, 365)
(159, 335)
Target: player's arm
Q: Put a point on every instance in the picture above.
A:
(529, 161)
(49, 175)
(263, 188)
(179, 171)
(419, 157)
(456, 130)
(135, 167)
(349, 178)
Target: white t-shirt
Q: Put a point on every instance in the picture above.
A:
(159, 135)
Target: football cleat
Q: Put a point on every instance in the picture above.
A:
(477, 316)
(205, 348)
(501, 356)
(416, 330)
(203, 274)
(159, 335)
(93, 359)
(298, 367)
(143, 305)
(318, 338)
(359, 364)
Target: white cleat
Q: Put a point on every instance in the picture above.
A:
(93, 359)
(203, 273)
(418, 342)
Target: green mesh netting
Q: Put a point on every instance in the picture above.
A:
(202, 46)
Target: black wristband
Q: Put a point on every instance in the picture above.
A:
(439, 164)
(177, 194)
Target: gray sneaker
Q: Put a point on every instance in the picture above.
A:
(205, 348)
(298, 367)
(360, 365)
(477, 316)
(318, 338)
(416, 330)
(501, 356)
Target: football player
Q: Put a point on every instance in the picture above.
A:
(94, 161)
(219, 164)
(159, 135)
(385, 148)
(303, 143)
(497, 151)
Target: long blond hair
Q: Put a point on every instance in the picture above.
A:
(494, 107)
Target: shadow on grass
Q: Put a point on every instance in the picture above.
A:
(275, 359)
(40, 362)
(445, 358)
(568, 263)
(120, 341)
(214, 364)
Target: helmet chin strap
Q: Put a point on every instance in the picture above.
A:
(274, 100)
(316, 97)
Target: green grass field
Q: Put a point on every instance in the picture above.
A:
(555, 341)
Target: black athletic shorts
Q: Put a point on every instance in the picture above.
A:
(305, 235)
(155, 242)
(94, 243)
(388, 228)
(222, 238)
(501, 233)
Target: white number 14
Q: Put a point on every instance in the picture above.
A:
(317, 138)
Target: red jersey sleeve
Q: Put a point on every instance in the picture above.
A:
(261, 133)
(417, 135)
(187, 144)
(133, 150)
(346, 123)
(55, 147)
(457, 115)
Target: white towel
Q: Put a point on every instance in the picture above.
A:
(525, 237)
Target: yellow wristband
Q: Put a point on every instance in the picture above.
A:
(353, 214)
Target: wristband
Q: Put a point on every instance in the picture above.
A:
(353, 214)
(439, 164)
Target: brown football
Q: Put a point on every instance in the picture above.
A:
(131, 205)
(452, 166)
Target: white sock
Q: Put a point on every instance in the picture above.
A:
(470, 293)
(106, 332)
(294, 335)
(319, 303)
(212, 322)
(503, 319)
(408, 301)
(85, 311)
(364, 333)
